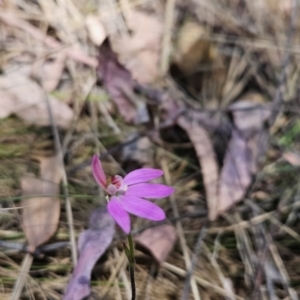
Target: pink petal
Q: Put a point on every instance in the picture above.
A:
(142, 175)
(142, 208)
(116, 210)
(149, 190)
(98, 172)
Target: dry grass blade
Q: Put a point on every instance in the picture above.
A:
(19, 284)
(284, 275)
(59, 150)
(167, 36)
(199, 281)
(185, 293)
(246, 250)
(122, 272)
(122, 260)
(11, 20)
(226, 282)
(233, 86)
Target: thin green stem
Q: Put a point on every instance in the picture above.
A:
(131, 246)
(130, 255)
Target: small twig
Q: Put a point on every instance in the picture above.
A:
(262, 245)
(186, 289)
(282, 270)
(259, 271)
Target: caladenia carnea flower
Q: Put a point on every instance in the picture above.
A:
(126, 195)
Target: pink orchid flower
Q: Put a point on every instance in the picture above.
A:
(126, 194)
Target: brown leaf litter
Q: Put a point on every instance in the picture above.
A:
(26, 99)
(96, 30)
(193, 47)
(207, 160)
(120, 85)
(139, 50)
(41, 211)
(159, 240)
(246, 147)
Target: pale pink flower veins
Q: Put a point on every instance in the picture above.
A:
(126, 194)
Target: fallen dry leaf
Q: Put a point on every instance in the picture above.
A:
(247, 146)
(158, 240)
(207, 159)
(40, 214)
(96, 30)
(49, 70)
(292, 158)
(193, 47)
(26, 99)
(236, 173)
(120, 86)
(140, 50)
(92, 243)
